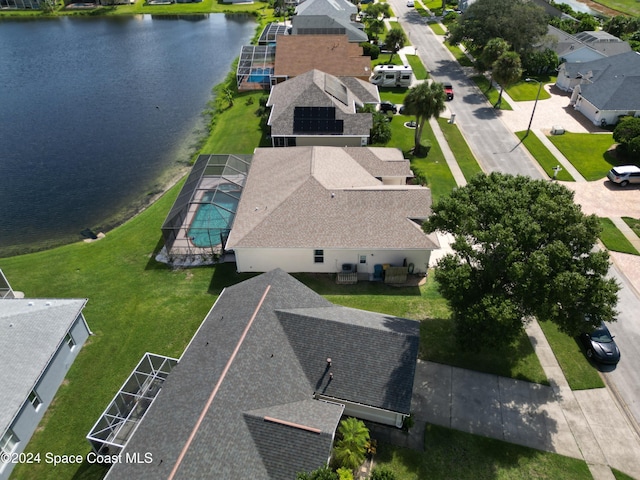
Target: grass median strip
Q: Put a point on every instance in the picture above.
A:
(461, 151)
(614, 239)
(543, 156)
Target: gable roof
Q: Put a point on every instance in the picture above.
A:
(325, 24)
(611, 83)
(251, 371)
(600, 43)
(31, 330)
(334, 54)
(329, 197)
(317, 89)
(332, 8)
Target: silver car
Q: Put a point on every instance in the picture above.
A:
(624, 175)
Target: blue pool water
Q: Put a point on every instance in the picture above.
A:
(212, 220)
(260, 75)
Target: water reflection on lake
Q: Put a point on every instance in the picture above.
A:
(94, 110)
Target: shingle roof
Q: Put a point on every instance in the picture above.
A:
(315, 24)
(334, 54)
(614, 81)
(309, 90)
(262, 422)
(332, 8)
(323, 197)
(602, 42)
(31, 330)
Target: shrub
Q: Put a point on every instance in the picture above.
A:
(382, 474)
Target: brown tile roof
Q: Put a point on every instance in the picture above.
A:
(323, 197)
(296, 54)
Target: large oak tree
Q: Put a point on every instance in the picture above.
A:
(522, 248)
(519, 22)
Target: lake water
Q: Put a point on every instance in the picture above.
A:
(96, 112)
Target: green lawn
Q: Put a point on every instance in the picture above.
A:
(450, 454)
(489, 92)
(634, 223)
(588, 152)
(459, 54)
(630, 7)
(465, 158)
(578, 371)
(524, 91)
(420, 9)
(543, 156)
(613, 238)
(238, 129)
(437, 29)
(260, 9)
(385, 59)
(418, 68)
(432, 4)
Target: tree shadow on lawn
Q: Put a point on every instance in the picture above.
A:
(90, 471)
(438, 344)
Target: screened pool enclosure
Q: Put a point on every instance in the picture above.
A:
(117, 423)
(202, 216)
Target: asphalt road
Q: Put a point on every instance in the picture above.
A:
(493, 145)
(488, 137)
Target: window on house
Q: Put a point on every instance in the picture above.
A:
(9, 442)
(363, 259)
(34, 400)
(318, 256)
(70, 341)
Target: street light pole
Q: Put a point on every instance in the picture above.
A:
(534, 104)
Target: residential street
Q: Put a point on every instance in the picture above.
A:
(490, 136)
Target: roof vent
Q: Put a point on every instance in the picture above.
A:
(328, 361)
(48, 304)
(30, 304)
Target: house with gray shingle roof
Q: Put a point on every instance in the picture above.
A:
(328, 25)
(604, 90)
(316, 108)
(313, 209)
(39, 340)
(583, 47)
(260, 389)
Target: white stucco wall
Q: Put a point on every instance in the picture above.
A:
(294, 260)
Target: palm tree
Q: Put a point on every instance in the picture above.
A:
(506, 70)
(394, 41)
(350, 449)
(425, 100)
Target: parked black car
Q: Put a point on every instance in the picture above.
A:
(388, 107)
(600, 346)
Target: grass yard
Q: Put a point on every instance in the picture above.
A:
(579, 372)
(589, 153)
(489, 92)
(432, 4)
(543, 156)
(421, 10)
(450, 454)
(385, 59)
(460, 56)
(630, 7)
(238, 129)
(523, 91)
(613, 238)
(418, 68)
(438, 29)
(634, 224)
(465, 158)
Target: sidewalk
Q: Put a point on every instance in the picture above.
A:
(584, 424)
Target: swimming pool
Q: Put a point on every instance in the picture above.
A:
(212, 219)
(260, 75)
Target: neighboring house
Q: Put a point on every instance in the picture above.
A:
(260, 389)
(39, 340)
(334, 54)
(584, 46)
(21, 4)
(316, 108)
(339, 9)
(327, 25)
(313, 209)
(604, 89)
